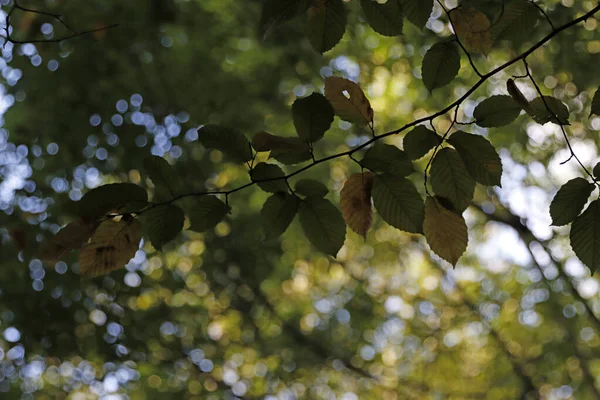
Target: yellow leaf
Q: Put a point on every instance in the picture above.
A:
(355, 202)
(71, 237)
(112, 246)
(472, 28)
(445, 231)
(348, 100)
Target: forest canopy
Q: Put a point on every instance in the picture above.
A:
(300, 199)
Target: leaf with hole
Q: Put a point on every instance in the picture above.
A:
(450, 178)
(569, 201)
(277, 214)
(229, 141)
(162, 224)
(398, 203)
(385, 19)
(111, 246)
(312, 117)
(496, 111)
(326, 23)
(311, 187)
(547, 110)
(267, 173)
(387, 158)
(440, 65)
(323, 225)
(585, 236)
(480, 157)
(355, 202)
(419, 142)
(445, 231)
(348, 100)
(206, 212)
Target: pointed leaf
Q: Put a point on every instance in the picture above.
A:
(103, 199)
(71, 237)
(276, 12)
(517, 21)
(312, 116)
(516, 94)
(585, 236)
(540, 113)
(417, 11)
(207, 212)
(355, 202)
(385, 19)
(323, 225)
(595, 104)
(450, 179)
(445, 231)
(227, 140)
(311, 187)
(420, 141)
(354, 108)
(111, 247)
(389, 159)
(263, 171)
(286, 150)
(398, 202)
(440, 65)
(473, 29)
(164, 177)
(277, 214)
(569, 201)
(496, 111)
(479, 156)
(163, 223)
(326, 24)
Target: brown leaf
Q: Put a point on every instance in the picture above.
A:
(472, 28)
(71, 237)
(348, 100)
(355, 202)
(445, 230)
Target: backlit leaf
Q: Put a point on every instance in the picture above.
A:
(445, 231)
(417, 11)
(450, 178)
(385, 19)
(496, 111)
(420, 141)
(473, 29)
(480, 157)
(323, 225)
(585, 236)
(311, 187)
(103, 199)
(71, 237)
(227, 140)
(111, 247)
(355, 202)
(348, 100)
(277, 214)
(326, 24)
(312, 117)
(163, 223)
(398, 202)
(539, 111)
(517, 21)
(206, 212)
(440, 65)
(569, 201)
(387, 158)
(263, 171)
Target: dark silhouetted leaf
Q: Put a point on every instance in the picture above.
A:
(387, 158)
(311, 187)
(355, 202)
(585, 236)
(595, 104)
(312, 116)
(516, 94)
(417, 11)
(385, 19)
(450, 179)
(440, 65)
(326, 24)
(163, 223)
(323, 224)
(420, 141)
(539, 111)
(277, 214)
(164, 177)
(286, 150)
(71, 237)
(569, 201)
(496, 111)
(479, 156)
(206, 212)
(227, 140)
(517, 21)
(399, 203)
(445, 231)
(276, 12)
(263, 171)
(103, 199)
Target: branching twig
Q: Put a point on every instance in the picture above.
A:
(543, 13)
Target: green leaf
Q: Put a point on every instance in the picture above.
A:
(163, 223)
(326, 24)
(540, 113)
(496, 111)
(387, 158)
(569, 201)
(323, 225)
(398, 202)
(312, 117)
(103, 199)
(286, 150)
(276, 12)
(479, 156)
(311, 187)
(440, 65)
(585, 236)
(227, 140)
(420, 141)
(206, 212)
(445, 231)
(417, 11)
(277, 214)
(166, 181)
(264, 171)
(595, 104)
(385, 19)
(450, 178)
(517, 21)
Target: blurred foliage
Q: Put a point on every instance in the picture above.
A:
(226, 314)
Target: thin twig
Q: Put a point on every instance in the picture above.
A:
(543, 13)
